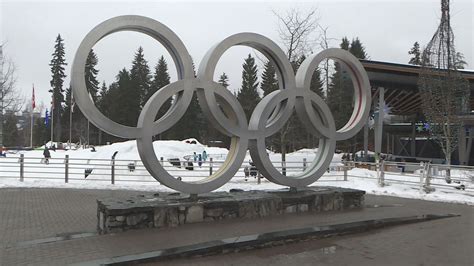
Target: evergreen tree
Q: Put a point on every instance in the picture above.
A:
(459, 62)
(57, 70)
(357, 49)
(340, 92)
(248, 95)
(140, 77)
(161, 78)
(112, 99)
(92, 84)
(298, 135)
(79, 127)
(317, 84)
(269, 79)
(103, 107)
(11, 135)
(415, 52)
(191, 125)
(41, 134)
(224, 80)
(65, 118)
(124, 99)
(345, 44)
(102, 98)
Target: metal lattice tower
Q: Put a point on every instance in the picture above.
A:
(1, 96)
(444, 93)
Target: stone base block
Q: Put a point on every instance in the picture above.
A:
(173, 209)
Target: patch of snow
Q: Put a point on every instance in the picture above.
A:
(39, 175)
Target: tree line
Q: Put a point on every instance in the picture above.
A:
(123, 99)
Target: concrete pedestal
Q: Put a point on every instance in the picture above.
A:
(173, 209)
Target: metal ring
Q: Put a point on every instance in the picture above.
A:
(231, 165)
(222, 108)
(273, 52)
(145, 25)
(360, 81)
(326, 147)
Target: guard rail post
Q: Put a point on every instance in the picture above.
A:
(22, 167)
(382, 173)
(304, 164)
(112, 172)
(345, 170)
(210, 166)
(427, 186)
(422, 165)
(66, 169)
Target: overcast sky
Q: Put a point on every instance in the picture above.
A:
(388, 30)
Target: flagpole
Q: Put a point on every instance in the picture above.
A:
(88, 123)
(32, 112)
(31, 133)
(70, 121)
(52, 122)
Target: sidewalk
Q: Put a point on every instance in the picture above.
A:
(42, 214)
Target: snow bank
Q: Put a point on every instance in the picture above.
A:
(38, 174)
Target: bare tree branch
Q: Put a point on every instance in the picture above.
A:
(295, 29)
(444, 92)
(10, 98)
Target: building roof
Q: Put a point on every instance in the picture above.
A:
(400, 83)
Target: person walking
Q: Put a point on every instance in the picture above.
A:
(246, 172)
(204, 155)
(46, 154)
(199, 160)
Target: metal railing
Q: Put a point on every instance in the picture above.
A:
(424, 176)
(119, 170)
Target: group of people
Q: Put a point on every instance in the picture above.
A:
(200, 158)
(250, 170)
(350, 157)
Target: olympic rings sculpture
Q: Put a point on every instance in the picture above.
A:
(268, 117)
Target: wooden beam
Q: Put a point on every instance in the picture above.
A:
(391, 95)
(406, 95)
(403, 147)
(412, 99)
(413, 108)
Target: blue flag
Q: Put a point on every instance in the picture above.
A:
(46, 118)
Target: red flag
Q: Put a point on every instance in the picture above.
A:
(33, 104)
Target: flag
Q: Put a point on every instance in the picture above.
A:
(33, 104)
(46, 118)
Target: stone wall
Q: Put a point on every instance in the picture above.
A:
(174, 209)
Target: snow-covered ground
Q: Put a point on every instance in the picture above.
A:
(39, 174)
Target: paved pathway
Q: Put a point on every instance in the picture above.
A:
(42, 214)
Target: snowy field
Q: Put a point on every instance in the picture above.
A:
(130, 173)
